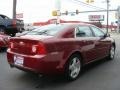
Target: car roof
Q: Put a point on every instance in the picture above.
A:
(72, 24)
(75, 23)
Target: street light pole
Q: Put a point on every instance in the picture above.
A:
(14, 9)
(107, 15)
(58, 8)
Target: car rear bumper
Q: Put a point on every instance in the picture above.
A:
(41, 64)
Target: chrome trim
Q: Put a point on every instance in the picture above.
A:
(75, 32)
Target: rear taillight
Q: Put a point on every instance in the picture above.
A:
(41, 49)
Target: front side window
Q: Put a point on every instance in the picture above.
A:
(83, 31)
(98, 32)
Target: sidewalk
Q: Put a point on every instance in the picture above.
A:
(114, 34)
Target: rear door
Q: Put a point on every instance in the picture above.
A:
(85, 39)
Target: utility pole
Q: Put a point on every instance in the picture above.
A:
(107, 14)
(14, 9)
(118, 17)
(58, 7)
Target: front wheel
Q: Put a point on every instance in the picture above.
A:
(73, 67)
(111, 53)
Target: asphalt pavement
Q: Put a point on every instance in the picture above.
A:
(102, 75)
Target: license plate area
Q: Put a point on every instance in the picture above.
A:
(18, 60)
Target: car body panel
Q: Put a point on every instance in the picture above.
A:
(58, 48)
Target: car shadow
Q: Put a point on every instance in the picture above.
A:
(38, 81)
(94, 65)
(56, 81)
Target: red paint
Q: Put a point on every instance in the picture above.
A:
(51, 53)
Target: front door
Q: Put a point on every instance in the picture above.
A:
(85, 38)
(101, 42)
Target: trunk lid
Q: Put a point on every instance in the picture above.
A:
(27, 44)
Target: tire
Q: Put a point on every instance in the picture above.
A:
(73, 67)
(111, 53)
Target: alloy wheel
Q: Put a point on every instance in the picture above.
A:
(74, 67)
(112, 52)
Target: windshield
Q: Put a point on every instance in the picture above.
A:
(47, 30)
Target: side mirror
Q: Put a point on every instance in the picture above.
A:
(107, 35)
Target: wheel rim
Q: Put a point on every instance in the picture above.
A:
(74, 67)
(112, 52)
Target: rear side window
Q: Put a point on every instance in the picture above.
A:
(47, 30)
(83, 31)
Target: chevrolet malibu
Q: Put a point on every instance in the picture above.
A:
(60, 49)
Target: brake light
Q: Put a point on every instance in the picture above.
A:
(41, 49)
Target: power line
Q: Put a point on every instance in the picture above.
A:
(88, 5)
(14, 9)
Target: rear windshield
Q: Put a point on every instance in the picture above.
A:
(50, 30)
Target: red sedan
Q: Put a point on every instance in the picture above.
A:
(4, 39)
(60, 49)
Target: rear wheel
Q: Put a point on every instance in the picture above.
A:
(111, 53)
(73, 67)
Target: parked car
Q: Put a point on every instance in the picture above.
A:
(11, 26)
(60, 49)
(4, 40)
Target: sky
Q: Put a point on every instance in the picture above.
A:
(40, 10)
